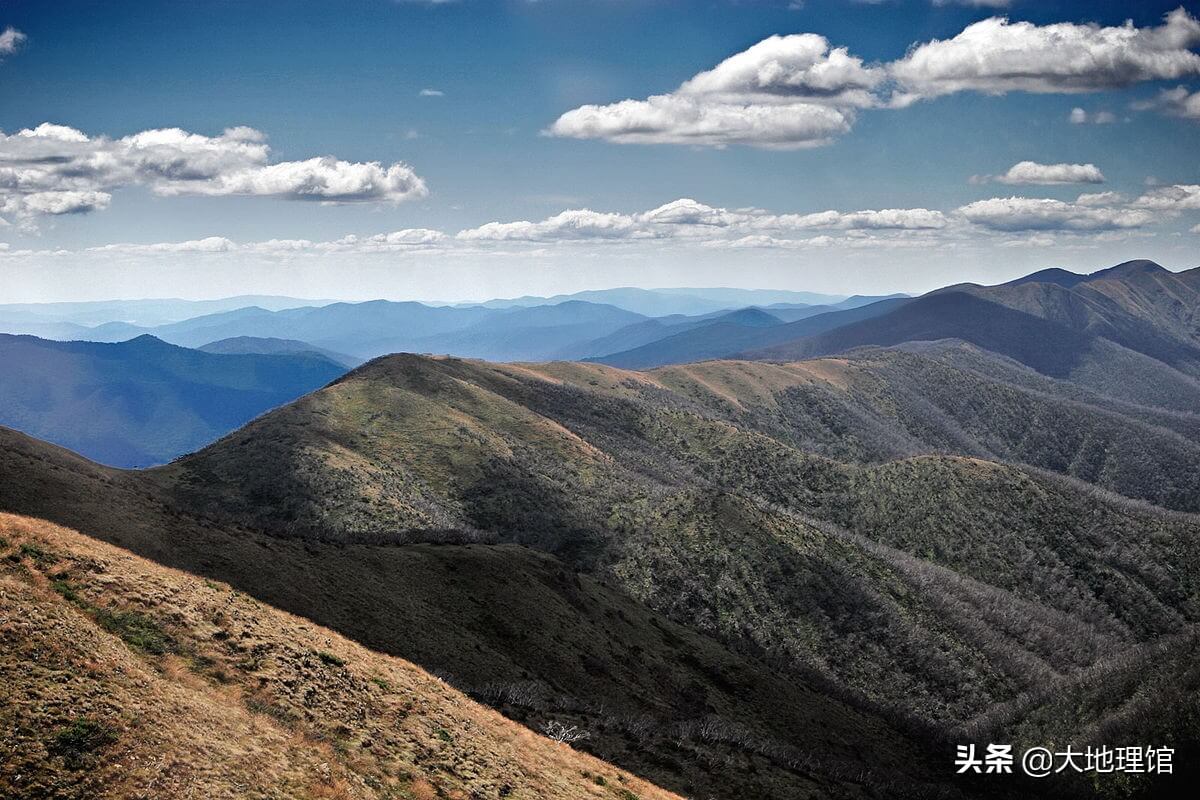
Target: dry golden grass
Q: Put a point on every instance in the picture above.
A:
(125, 679)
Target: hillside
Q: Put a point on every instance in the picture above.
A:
(130, 679)
(724, 336)
(696, 492)
(1138, 305)
(143, 402)
(520, 631)
(819, 527)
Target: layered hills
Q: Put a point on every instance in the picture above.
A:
(144, 401)
(808, 572)
(913, 563)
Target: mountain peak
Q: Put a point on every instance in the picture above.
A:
(1141, 266)
(1054, 275)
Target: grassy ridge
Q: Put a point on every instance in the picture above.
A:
(129, 679)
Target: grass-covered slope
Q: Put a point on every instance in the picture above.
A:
(125, 679)
(681, 487)
(833, 525)
(520, 631)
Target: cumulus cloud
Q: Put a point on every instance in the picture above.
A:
(974, 3)
(883, 219)
(1031, 172)
(576, 224)
(996, 56)
(431, 93)
(410, 239)
(1177, 102)
(54, 169)
(69, 202)
(687, 218)
(798, 91)
(1041, 214)
(1078, 116)
(1100, 199)
(211, 244)
(785, 92)
(1178, 197)
(11, 40)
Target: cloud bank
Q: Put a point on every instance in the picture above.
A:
(1032, 173)
(799, 91)
(996, 56)
(54, 169)
(785, 92)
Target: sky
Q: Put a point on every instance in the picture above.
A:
(464, 149)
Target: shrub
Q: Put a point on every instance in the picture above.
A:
(80, 739)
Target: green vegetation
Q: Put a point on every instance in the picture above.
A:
(37, 554)
(77, 743)
(722, 572)
(138, 630)
(330, 659)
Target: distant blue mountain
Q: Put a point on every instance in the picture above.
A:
(142, 313)
(564, 327)
(666, 302)
(144, 401)
(263, 346)
(726, 335)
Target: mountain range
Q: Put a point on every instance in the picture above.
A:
(812, 570)
(144, 402)
(570, 327)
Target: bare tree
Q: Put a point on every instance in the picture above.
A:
(567, 734)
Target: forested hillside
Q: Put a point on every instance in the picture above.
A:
(870, 526)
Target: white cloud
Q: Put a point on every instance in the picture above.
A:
(54, 169)
(996, 56)
(328, 179)
(785, 92)
(11, 40)
(883, 219)
(1080, 117)
(211, 244)
(781, 69)
(431, 93)
(1177, 102)
(577, 224)
(1100, 199)
(1031, 172)
(1178, 197)
(975, 3)
(1195, 229)
(686, 211)
(1041, 214)
(690, 219)
(68, 202)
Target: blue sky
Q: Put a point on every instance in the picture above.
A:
(346, 79)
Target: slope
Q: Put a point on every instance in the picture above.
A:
(928, 590)
(131, 679)
(629, 478)
(721, 337)
(1139, 305)
(520, 631)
